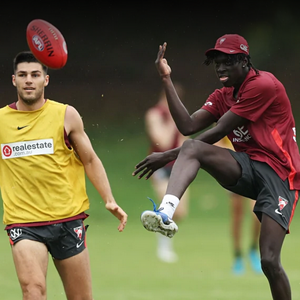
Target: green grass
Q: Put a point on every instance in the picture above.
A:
(124, 265)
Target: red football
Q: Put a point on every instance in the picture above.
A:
(47, 43)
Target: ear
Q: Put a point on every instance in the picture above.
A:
(13, 79)
(46, 80)
(245, 62)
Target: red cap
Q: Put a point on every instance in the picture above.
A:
(231, 44)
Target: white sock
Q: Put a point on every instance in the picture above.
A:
(164, 242)
(169, 204)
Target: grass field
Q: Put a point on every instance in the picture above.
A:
(124, 265)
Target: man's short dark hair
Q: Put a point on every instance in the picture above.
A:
(27, 56)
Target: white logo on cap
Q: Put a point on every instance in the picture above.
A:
(222, 40)
(244, 48)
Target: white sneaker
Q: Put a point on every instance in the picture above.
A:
(157, 221)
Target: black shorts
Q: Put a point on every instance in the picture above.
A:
(62, 240)
(261, 183)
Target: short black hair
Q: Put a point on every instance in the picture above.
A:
(27, 56)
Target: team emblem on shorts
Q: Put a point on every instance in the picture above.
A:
(282, 203)
(15, 233)
(78, 231)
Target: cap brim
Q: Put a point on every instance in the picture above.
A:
(224, 50)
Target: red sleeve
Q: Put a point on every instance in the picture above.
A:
(255, 96)
(212, 104)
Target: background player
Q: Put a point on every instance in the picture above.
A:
(238, 215)
(163, 135)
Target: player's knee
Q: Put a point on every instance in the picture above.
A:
(270, 265)
(192, 148)
(33, 290)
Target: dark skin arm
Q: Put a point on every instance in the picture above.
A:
(157, 160)
(187, 124)
(226, 124)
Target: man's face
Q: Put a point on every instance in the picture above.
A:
(229, 72)
(30, 81)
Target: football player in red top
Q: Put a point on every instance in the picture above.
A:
(253, 110)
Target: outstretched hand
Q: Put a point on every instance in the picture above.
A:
(161, 63)
(118, 212)
(150, 164)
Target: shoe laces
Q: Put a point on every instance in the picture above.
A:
(165, 218)
(155, 206)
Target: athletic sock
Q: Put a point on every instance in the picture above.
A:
(237, 253)
(169, 204)
(253, 246)
(164, 242)
(165, 251)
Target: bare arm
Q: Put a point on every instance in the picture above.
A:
(92, 164)
(199, 120)
(187, 124)
(226, 124)
(156, 160)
